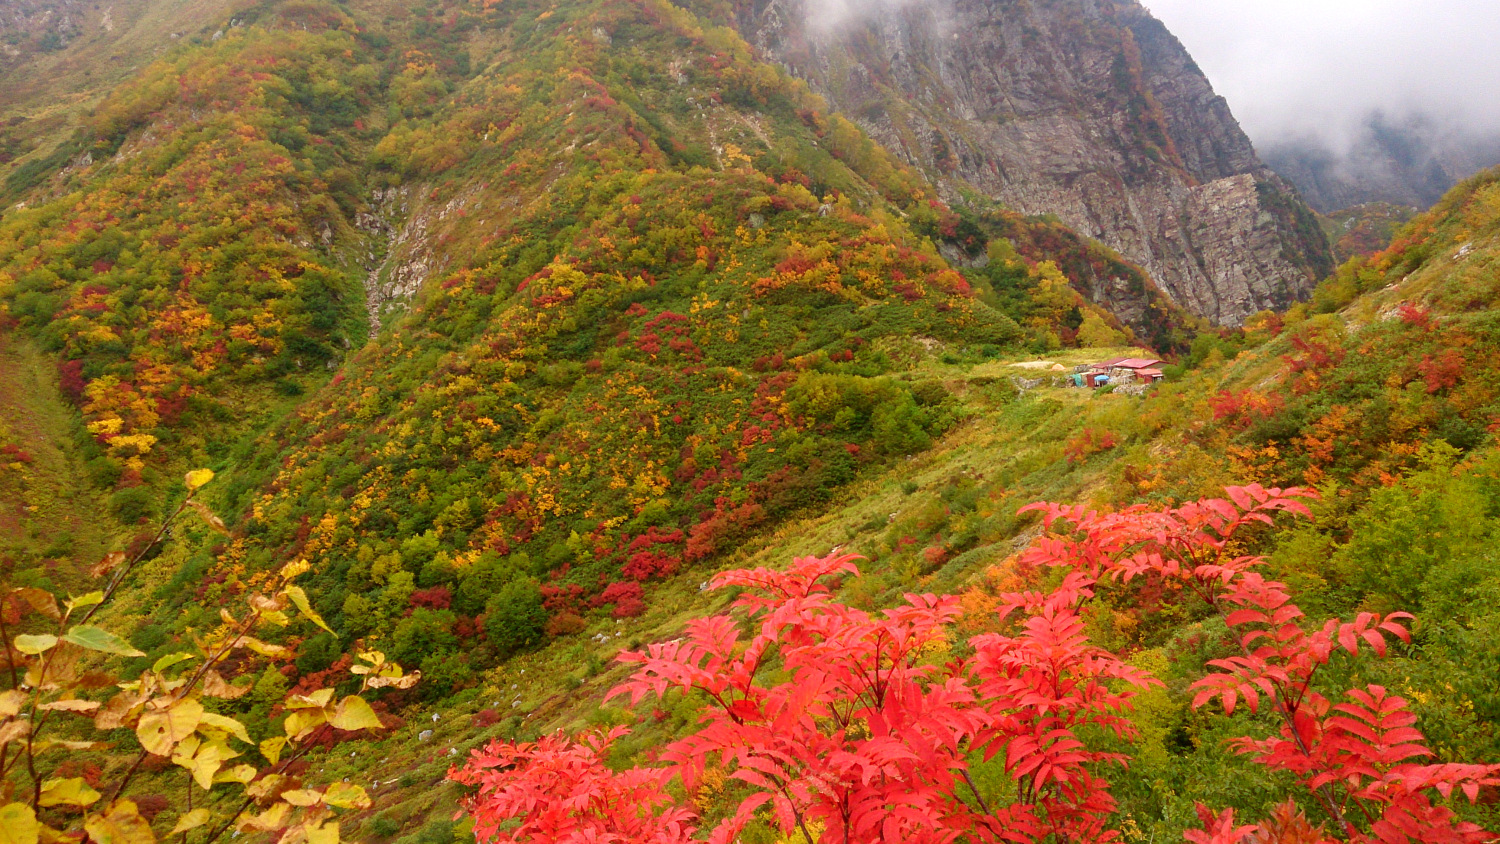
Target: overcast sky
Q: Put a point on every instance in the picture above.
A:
(1294, 68)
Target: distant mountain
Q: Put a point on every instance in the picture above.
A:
(1411, 160)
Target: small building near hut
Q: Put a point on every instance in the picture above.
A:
(1135, 365)
(1119, 371)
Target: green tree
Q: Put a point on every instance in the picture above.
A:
(515, 618)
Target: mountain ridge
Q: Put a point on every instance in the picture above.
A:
(1090, 111)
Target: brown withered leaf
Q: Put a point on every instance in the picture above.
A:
(12, 730)
(111, 561)
(93, 680)
(214, 685)
(72, 705)
(40, 600)
(261, 602)
(62, 669)
(117, 711)
(405, 682)
(208, 516)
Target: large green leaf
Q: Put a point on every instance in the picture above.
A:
(98, 639)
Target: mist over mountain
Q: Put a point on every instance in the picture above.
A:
(1411, 160)
(1377, 100)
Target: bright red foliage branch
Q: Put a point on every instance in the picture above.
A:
(870, 732)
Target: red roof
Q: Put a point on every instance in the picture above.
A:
(1106, 364)
(1137, 363)
(1150, 373)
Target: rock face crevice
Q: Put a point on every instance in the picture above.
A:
(1089, 110)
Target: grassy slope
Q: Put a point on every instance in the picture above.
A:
(46, 515)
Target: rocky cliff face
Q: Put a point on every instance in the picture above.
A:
(1085, 109)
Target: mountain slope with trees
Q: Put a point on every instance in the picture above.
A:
(505, 327)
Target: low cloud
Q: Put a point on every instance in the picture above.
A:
(1318, 70)
(828, 14)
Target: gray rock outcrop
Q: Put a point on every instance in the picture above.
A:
(1085, 109)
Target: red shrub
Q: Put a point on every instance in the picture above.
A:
(1442, 372)
(1416, 315)
(70, 378)
(1089, 443)
(436, 598)
(616, 592)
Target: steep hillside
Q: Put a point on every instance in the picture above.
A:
(1364, 229)
(60, 58)
(1089, 111)
(613, 320)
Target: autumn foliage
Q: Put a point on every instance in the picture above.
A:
(842, 725)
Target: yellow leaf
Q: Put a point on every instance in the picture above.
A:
(202, 759)
(302, 797)
(303, 721)
(191, 820)
(229, 725)
(35, 643)
(170, 660)
(264, 787)
(197, 478)
(121, 824)
(161, 730)
(295, 569)
(18, 824)
(299, 598)
(270, 820)
(327, 833)
(271, 749)
(239, 773)
(316, 700)
(78, 745)
(69, 792)
(262, 648)
(354, 714)
(345, 795)
(84, 601)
